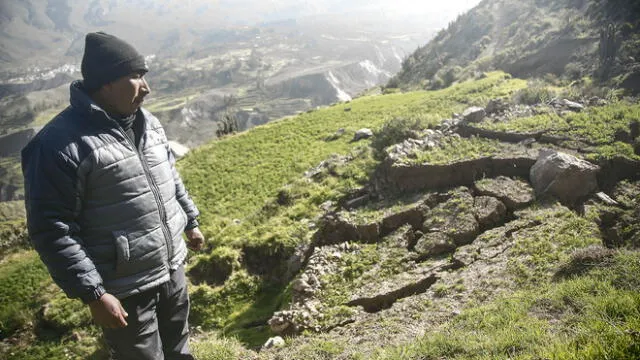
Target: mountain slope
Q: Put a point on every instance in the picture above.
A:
(531, 38)
(399, 247)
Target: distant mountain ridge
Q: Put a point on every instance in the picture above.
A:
(530, 38)
(51, 32)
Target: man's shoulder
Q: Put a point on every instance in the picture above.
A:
(58, 133)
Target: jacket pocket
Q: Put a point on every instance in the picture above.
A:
(122, 248)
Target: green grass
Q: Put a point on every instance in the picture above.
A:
(453, 149)
(13, 237)
(594, 316)
(548, 121)
(596, 125)
(537, 250)
(233, 178)
(22, 282)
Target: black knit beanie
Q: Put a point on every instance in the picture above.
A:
(108, 58)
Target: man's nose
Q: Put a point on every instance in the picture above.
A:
(146, 89)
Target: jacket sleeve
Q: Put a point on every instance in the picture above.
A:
(182, 195)
(52, 201)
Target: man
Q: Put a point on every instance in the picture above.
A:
(106, 208)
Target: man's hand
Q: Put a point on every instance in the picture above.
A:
(108, 312)
(195, 239)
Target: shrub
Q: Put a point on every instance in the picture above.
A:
(394, 131)
(536, 92)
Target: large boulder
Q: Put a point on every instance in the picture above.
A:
(564, 176)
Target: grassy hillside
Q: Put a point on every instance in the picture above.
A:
(232, 179)
(539, 285)
(533, 38)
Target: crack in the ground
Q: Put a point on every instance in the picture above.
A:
(385, 301)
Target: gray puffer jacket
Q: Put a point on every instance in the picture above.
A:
(103, 215)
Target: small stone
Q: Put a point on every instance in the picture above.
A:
(362, 134)
(606, 199)
(572, 105)
(274, 342)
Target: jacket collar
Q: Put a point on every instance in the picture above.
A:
(82, 102)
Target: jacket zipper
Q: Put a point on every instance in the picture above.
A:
(156, 194)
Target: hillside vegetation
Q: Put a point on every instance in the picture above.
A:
(335, 245)
(565, 38)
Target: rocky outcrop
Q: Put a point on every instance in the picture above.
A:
(564, 176)
(335, 228)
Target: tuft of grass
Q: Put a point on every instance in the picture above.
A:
(211, 346)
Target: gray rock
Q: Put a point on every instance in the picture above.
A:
(572, 105)
(489, 211)
(564, 176)
(289, 322)
(606, 199)
(514, 193)
(362, 134)
(433, 244)
(474, 114)
(274, 342)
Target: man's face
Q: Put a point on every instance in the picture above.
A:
(125, 95)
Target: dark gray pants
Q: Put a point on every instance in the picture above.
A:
(157, 324)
